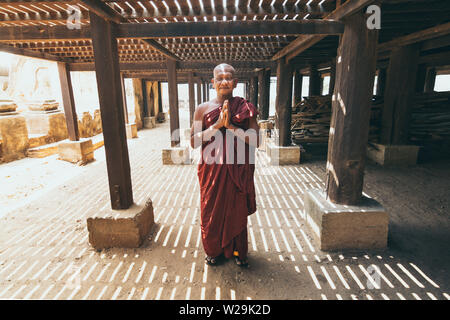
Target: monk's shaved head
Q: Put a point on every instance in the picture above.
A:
(223, 67)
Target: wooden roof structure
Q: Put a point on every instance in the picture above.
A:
(198, 34)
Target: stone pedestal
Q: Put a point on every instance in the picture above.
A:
(121, 228)
(14, 140)
(162, 117)
(131, 129)
(342, 227)
(264, 138)
(51, 123)
(149, 122)
(393, 155)
(176, 155)
(80, 152)
(265, 125)
(279, 155)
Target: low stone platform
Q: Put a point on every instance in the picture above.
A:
(131, 130)
(80, 152)
(341, 227)
(283, 155)
(176, 155)
(149, 122)
(122, 228)
(393, 155)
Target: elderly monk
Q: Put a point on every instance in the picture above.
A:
(227, 131)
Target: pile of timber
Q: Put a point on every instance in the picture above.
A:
(311, 119)
(430, 118)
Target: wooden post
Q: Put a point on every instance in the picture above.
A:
(207, 90)
(283, 102)
(107, 71)
(314, 81)
(160, 108)
(247, 90)
(421, 76)
(204, 91)
(254, 91)
(298, 82)
(191, 97)
(430, 80)
(199, 92)
(144, 94)
(68, 101)
(124, 96)
(400, 85)
(381, 82)
(332, 76)
(173, 103)
(349, 128)
(264, 92)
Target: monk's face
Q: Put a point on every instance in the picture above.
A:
(224, 81)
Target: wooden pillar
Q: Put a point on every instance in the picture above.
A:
(124, 96)
(207, 90)
(298, 82)
(381, 82)
(400, 85)
(173, 103)
(204, 91)
(263, 94)
(191, 98)
(247, 90)
(254, 91)
(160, 108)
(283, 102)
(349, 128)
(420, 79)
(68, 101)
(332, 76)
(107, 71)
(430, 80)
(199, 92)
(145, 98)
(138, 96)
(314, 81)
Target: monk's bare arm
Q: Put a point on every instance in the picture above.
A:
(197, 135)
(250, 136)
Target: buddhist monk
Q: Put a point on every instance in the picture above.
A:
(227, 131)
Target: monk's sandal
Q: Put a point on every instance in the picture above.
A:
(241, 263)
(211, 260)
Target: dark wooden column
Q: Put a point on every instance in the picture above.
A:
(107, 71)
(314, 81)
(124, 96)
(298, 82)
(400, 86)
(349, 128)
(283, 102)
(254, 91)
(263, 93)
(381, 82)
(247, 90)
(332, 76)
(173, 103)
(420, 79)
(199, 92)
(191, 97)
(145, 110)
(204, 92)
(68, 101)
(207, 90)
(160, 108)
(430, 80)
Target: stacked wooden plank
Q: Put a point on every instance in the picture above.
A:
(430, 118)
(311, 119)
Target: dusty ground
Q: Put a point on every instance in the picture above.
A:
(45, 254)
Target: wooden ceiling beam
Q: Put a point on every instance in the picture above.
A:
(103, 10)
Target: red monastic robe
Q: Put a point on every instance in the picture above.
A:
(227, 190)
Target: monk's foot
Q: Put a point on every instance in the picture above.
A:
(241, 263)
(211, 260)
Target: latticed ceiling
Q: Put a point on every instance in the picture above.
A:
(399, 17)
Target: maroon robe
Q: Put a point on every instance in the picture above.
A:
(227, 190)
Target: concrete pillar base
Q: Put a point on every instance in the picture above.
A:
(80, 152)
(265, 125)
(122, 228)
(264, 138)
(280, 155)
(149, 122)
(131, 129)
(393, 155)
(176, 155)
(344, 227)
